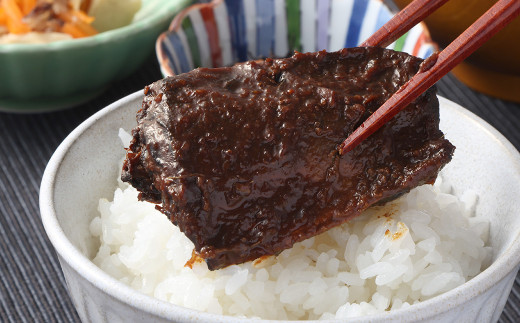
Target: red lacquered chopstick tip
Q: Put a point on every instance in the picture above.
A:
(349, 144)
(353, 140)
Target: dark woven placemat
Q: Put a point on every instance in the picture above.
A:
(32, 287)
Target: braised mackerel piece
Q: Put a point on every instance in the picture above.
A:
(244, 159)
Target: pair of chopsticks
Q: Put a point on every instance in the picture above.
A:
(434, 67)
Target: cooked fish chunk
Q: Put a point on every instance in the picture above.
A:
(244, 159)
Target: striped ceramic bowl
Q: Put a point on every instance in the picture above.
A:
(224, 32)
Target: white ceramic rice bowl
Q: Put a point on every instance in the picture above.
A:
(84, 169)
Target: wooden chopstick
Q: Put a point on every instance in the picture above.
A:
(403, 21)
(435, 67)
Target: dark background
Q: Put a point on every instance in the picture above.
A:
(32, 287)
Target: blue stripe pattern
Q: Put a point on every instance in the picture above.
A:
(382, 17)
(168, 50)
(264, 27)
(178, 47)
(264, 21)
(237, 22)
(356, 21)
(428, 52)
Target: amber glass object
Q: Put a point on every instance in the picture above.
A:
(494, 68)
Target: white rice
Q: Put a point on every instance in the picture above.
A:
(414, 248)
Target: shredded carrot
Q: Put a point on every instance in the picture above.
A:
(3, 17)
(83, 16)
(76, 23)
(16, 27)
(85, 5)
(76, 15)
(85, 29)
(14, 17)
(27, 6)
(80, 22)
(72, 30)
(11, 9)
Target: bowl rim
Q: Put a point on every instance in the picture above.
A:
(126, 31)
(503, 265)
(176, 24)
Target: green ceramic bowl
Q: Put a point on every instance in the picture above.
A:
(44, 77)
